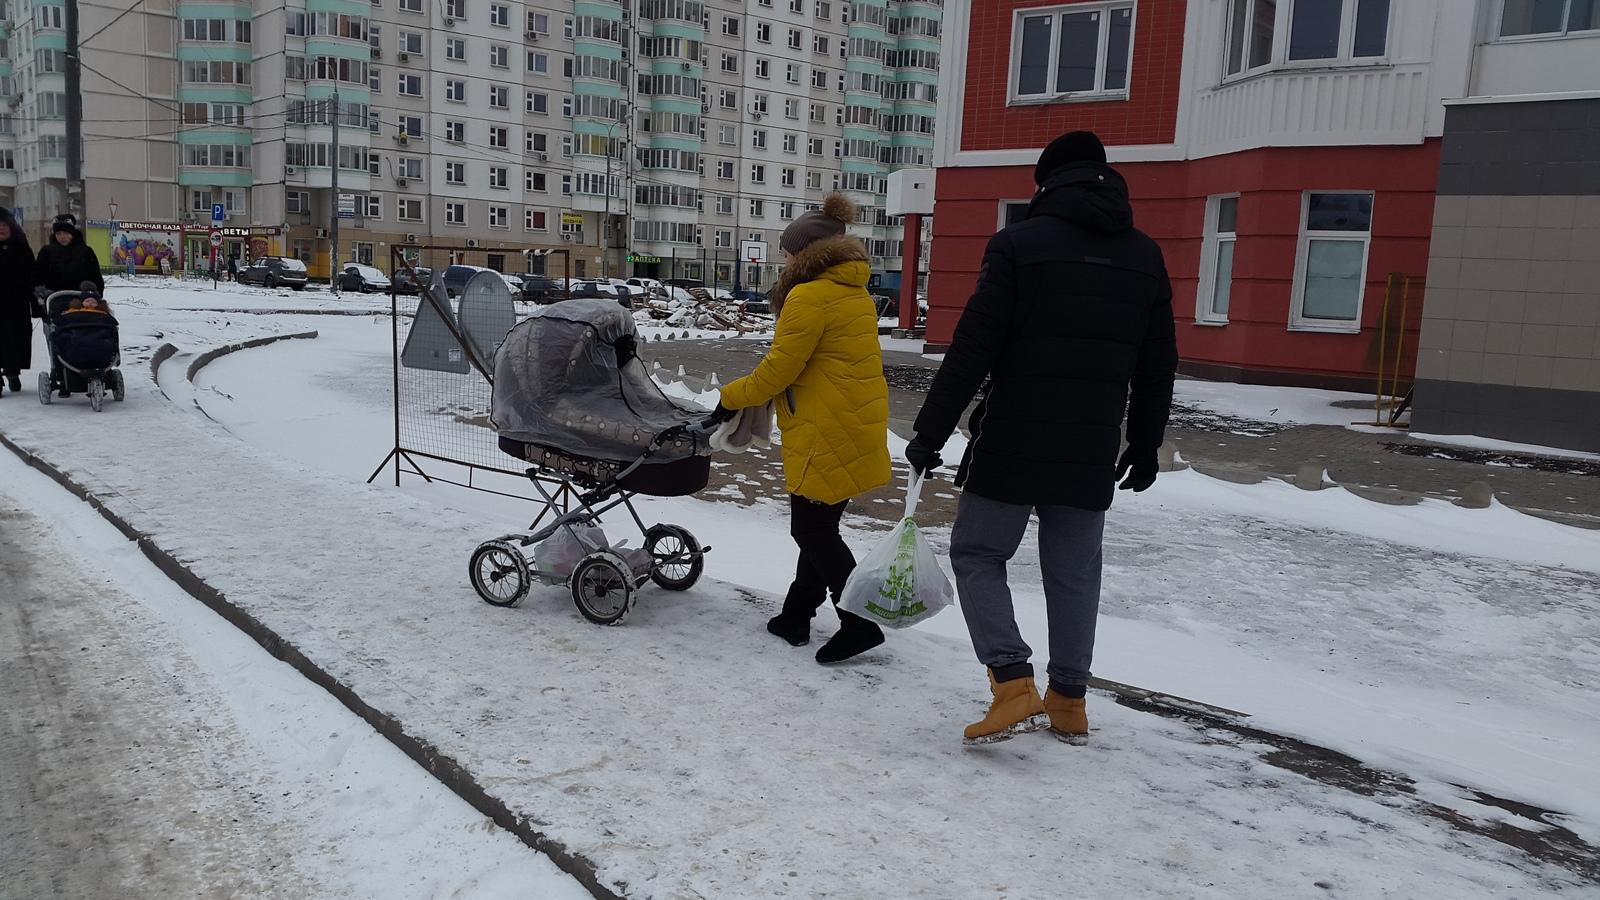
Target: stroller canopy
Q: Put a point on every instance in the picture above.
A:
(567, 378)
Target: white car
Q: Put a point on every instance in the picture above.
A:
(356, 277)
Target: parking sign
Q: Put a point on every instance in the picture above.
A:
(218, 212)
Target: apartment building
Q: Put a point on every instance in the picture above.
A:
(651, 137)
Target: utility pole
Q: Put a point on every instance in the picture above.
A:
(333, 227)
(76, 202)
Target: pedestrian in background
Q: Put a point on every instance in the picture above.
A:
(1073, 309)
(17, 308)
(825, 374)
(67, 261)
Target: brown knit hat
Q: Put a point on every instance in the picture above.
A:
(837, 211)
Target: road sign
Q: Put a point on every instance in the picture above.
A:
(216, 238)
(218, 212)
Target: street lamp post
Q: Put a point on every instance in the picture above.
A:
(606, 225)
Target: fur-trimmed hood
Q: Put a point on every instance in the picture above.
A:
(817, 261)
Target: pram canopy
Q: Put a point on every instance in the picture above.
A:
(567, 378)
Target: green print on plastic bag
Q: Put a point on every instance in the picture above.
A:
(900, 588)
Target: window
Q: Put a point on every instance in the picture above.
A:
(814, 180)
(729, 100)
(819, 43)
(819, 79)
(410, 85)
(787, 177)
(791, 109)
(455, 214)
(410, 5)
(499, 137)
(725, 168)
(499, 178)
(814, 146)
(730, 25)
(1216, 261)
(791, 143)
(786, 209)
(764, 32)
(455, 173)
(374, 164)
(500, 96)
(455, 91)
(374, 206)
(410, 126)
(819, 113)
(499, 217)
(725, 205)
(823, 9)
(758, 207)
(721, 238)
(726, 134)
(1075, 51)
(1262, 33)
(410, 43)
(539, 23)
(1548, 17)
(455, 132)
(455, 48)
(534, 181)
(763, 68)
(758, 138)
(758, 173)
(538, 103)
(500, 57)
(538, 63)
(730, 62)
(535, 220)
(408, 209)
(500, 15)
(199, 200)
(296, 202)
(791, 74)
(408, 167)
(1331, 261)
(455, 9)
(536, 142)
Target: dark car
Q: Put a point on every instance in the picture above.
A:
(274, 272)
(539, 289)
(456, 278)
(685, 283)
(403, 283)
(362, 279)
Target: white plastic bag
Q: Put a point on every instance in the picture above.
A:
(560, 553)
(899, 583)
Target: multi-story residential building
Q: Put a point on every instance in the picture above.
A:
(648, 137)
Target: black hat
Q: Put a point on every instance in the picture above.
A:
(1074, 146)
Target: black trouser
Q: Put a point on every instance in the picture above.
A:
(825, 560)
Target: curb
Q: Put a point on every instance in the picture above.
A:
(441, 766)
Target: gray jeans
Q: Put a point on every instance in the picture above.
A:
(984, 539)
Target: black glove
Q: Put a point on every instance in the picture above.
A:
(1140, 465)
(42, 292)
(923, 459)
(718, 416)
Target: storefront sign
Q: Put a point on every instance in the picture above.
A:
(571, 219)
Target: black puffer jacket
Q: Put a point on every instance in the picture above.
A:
(16, 273)
(64, 268)
(1073, 307)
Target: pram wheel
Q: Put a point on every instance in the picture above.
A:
(45, 393)
(118, 388)
(602, 586)
(499, 573)
(675, 558)
(97, 393)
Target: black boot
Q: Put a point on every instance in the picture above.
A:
(856, 635)
(14, 381)
(792, 628)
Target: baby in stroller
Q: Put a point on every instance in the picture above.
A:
(85, 347)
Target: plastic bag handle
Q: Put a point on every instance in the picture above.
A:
(914, 484)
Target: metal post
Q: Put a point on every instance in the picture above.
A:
(74, 186)
(333, 229)
(911, 258)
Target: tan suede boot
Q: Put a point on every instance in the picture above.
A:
(1066, 713)
(1016, 710)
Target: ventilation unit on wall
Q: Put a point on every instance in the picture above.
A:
(472, 243)
(322, 232)
(411, 239)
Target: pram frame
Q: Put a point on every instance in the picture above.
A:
(601, 573)
(96, 380)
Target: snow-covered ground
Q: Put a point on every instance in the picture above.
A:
(689, 754)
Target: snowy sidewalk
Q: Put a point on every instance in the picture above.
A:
(688, 754)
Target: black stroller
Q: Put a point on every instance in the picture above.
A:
(572, 397)
(85, 349)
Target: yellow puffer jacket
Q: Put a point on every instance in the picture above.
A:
(825, 372)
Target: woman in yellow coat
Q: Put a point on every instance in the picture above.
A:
(825, 376)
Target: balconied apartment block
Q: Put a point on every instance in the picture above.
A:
(647, 137)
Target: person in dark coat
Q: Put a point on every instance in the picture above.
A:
(1069, 330)
(16, 303)
(67, 261)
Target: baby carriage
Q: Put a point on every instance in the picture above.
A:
(84, 351)
(572, 397)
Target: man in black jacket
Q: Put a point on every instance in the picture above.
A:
(1070, 328)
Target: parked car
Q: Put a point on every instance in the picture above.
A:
(275, 272)
(684, 283)
(583, 288)
(456, 278)
(540, 289)
(364, 279)
(403, 283)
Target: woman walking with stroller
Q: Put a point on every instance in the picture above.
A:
(824, 373)
(16, 303)
(66, 262)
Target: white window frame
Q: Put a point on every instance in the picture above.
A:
(1099, 92)
(455, 212)
(1283, 22)
(1211, 243)
(1298, 321)
(1499, 21)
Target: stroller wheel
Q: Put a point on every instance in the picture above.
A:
(118, 388)
(97, 393)
(675, 558)
(45, 394)
(602, 587)
(499, 573)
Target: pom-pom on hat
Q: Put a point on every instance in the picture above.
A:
(837, 211)
(1074, 146)
(63, 225)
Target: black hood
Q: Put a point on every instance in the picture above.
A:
(1089, 194)
(18, 237)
